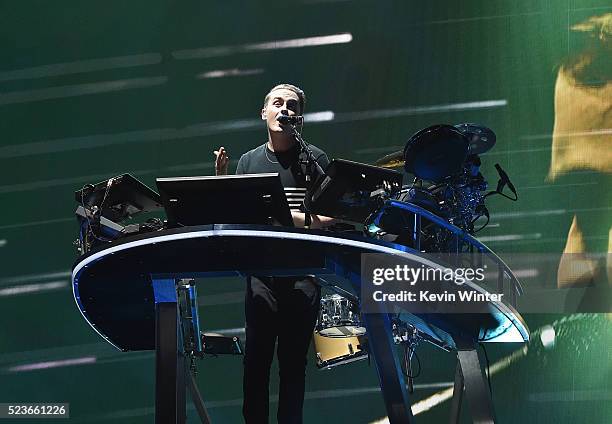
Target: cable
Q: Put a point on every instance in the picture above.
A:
(501, 194)
(89, 227)
(488, 370)
(106, 191)
(408, 353)
(484, 225)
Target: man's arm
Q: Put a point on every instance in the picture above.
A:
(317, 221)
(323, 160)
(240, 169)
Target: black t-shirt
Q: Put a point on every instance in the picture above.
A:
(289, 166)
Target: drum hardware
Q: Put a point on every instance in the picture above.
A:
(196, 343)
(481, 139)
(337, 289)
(448, 183)
(218, 344)
(409, 337)
(339, 337)
(339, 317)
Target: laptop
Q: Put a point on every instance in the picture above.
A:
(226, 199)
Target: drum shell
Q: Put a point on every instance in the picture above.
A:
(339, 317)
(334, 351)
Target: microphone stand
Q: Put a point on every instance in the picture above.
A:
(310, 159)
(310, 162)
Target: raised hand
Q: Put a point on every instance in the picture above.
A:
(221, 161)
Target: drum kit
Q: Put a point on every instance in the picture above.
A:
(444, 160)
(339, 336)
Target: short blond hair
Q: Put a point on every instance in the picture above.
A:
(297, 90)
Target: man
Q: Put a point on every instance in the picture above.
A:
(282, 309)
(581, 141)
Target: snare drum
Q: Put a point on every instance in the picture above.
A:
(339, 317)
(332, 352)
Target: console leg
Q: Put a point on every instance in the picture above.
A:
(476, 387)
(170, 406)
(390, 375)
(457, 396)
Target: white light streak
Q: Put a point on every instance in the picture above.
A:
(572, 396)
(33, 223)
(482, 18)
(33, 277)
(525, 214)
(3, 242)
(519, 273)
(304, 42)
(53, 364)
(54, 182)
(81, 66)
(212, 128)
(419, 110)
(323, 116)
(510, 237)
(526, 273)
(590, 133)
(208, 52)
(550, 186)
(230, 73)
(60, 92)
(139, 136)
(32, 288)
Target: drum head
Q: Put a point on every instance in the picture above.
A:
(481, 138)
(436, 152)
(342, 331)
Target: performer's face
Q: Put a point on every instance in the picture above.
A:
(281, 100)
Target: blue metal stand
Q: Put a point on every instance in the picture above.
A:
(469, 377)
(170, 364)
(392, 383)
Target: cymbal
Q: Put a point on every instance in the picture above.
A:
(436, 152)
(392, 160)
(481, 138)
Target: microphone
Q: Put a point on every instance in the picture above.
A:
(504, 179)
(291, 120)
